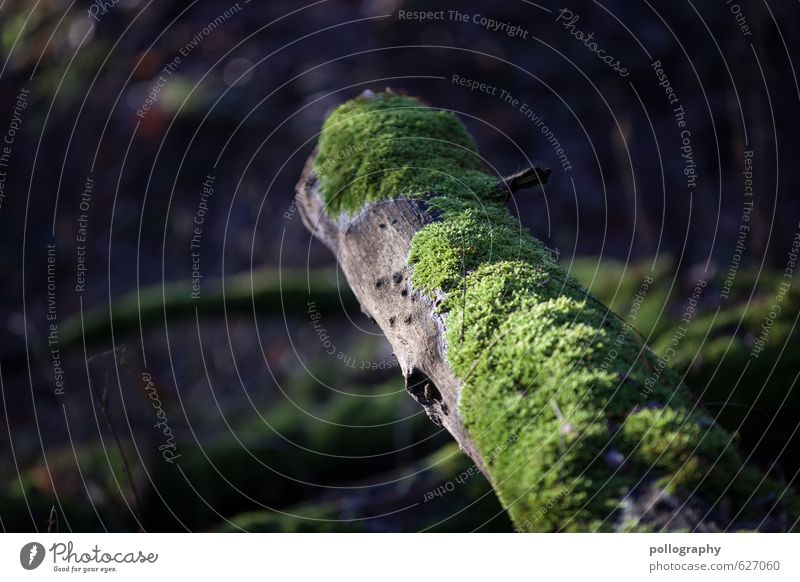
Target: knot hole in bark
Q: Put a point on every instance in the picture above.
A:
(424, 391)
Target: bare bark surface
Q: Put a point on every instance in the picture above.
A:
(372, 249)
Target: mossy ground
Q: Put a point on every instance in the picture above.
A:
(554, 383)
(438, 486)
(757, 397)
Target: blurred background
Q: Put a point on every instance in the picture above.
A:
(176, 353)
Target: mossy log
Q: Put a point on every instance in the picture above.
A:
(264, 292)
(287, 291)
(441, 492)
(755, 396)
(293, 451)
(577, 425)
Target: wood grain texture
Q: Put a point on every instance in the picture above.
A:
(372, 250)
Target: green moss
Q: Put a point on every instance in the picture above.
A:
(753, 396)
(309, 518)
(687, 455)
(753, 393)
(268, 458)
(432, 490)
(617, 284)
(392, 145)
(567, 407)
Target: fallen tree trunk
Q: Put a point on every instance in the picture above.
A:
(286, 291)
(575, 423)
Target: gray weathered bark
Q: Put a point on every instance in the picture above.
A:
(372, 250)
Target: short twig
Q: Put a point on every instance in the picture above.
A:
(527, 178)
(52, 520)
(102, 400)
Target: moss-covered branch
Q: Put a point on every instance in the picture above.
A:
(269, 291)
(576, 423)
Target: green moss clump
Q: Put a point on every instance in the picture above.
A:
(392, 145)
(570, 411)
